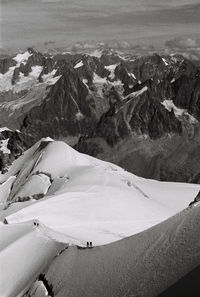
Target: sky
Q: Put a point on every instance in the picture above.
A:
(63, 22)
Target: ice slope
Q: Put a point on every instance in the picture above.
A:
(88, 199)
(143, 265)
(25, 250)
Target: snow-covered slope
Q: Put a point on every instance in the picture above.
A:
(25, 250)
(53, 195)
(143, 265)
(84, 198)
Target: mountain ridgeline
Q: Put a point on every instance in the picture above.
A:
(141, 113)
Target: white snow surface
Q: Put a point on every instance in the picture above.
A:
(2, 129)
(25, 82)
(38, 290)
(132, 75)
(137, 93)
(25, 251)
(91, 200)
(50, 78)
(5, 189)
(79, 64)
(22, 58)
(111, 68)
(165, 61)
(36, 184)
(6, 80)
(4, 146)
(99, 80)
(179, 112)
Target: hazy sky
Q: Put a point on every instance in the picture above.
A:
(32, 22)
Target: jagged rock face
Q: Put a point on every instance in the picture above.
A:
(99, 103)
(65, 112)
(186, 94)
(12, 145)
(90, 66)
(143, 115)
(153, 68)
(129, 82)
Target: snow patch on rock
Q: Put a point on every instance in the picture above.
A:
(22, 58)
(179, 112)
(4, 146)
(99, 80)
(50, 77)
(111, 68)
(6, 80)
(132, 75)
(137, 93)
(2, 129)
(79, 64)
(165, 61)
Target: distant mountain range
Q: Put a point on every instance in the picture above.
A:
(140, 112)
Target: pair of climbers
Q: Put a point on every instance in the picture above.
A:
(89, 244)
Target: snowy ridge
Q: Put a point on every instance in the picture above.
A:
(85, 198)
